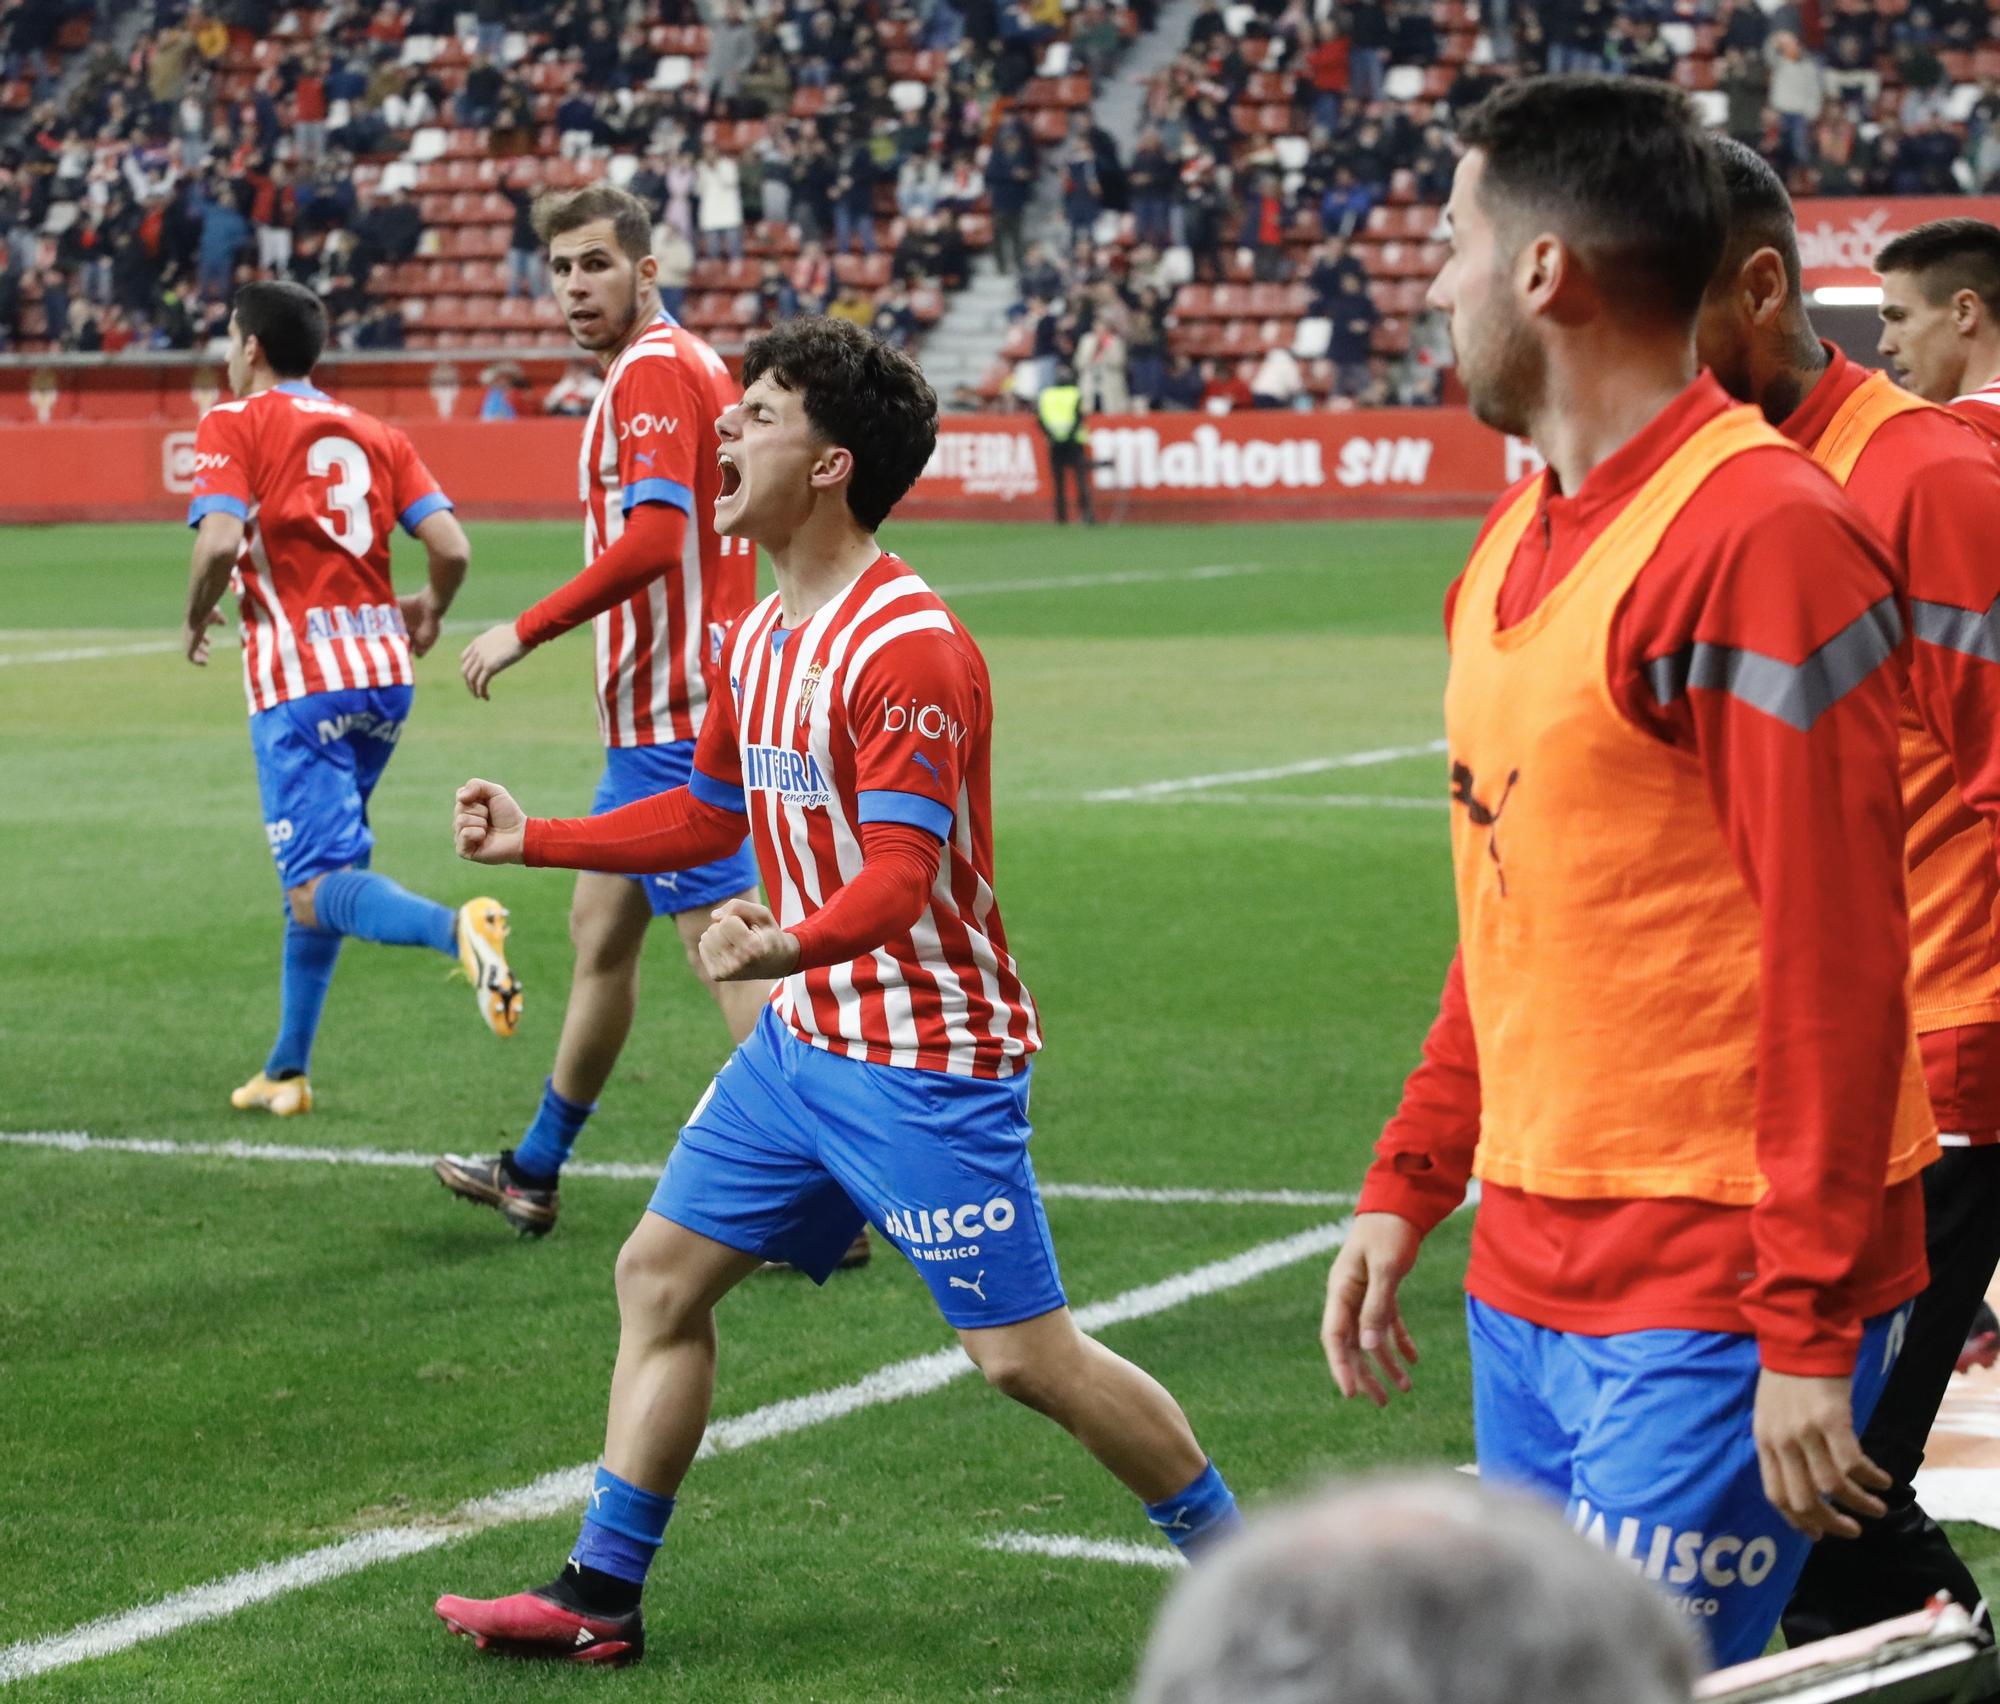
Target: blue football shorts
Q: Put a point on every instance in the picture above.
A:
(318, 759)
(632, 773)
(1645, 1439)
(793, 1147)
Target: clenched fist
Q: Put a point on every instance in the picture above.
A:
(488, 826)
(745, 944)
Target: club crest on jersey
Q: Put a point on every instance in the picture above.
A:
(808, 685)
(795, 776)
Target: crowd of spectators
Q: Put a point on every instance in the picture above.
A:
(1272, 138)
(238, 142)
(876, 136)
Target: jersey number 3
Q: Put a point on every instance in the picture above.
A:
(346, 521)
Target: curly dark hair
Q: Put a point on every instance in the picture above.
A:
(870, 400)
(1620, 169)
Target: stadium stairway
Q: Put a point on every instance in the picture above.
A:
(1120, 104)
(122, 38)
(962, 348)
(966, 341)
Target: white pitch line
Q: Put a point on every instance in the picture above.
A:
(89, 653)
(1065, 1548)
(221, 640)
(563, 1491)
(80, 1142)
(1276, 772)
(462, 624)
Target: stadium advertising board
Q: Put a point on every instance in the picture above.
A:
(1839, 236)
(1207, 467)
(1274, 464)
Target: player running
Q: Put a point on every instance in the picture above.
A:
(851, 734)
(659, 586)
(1675, 1042)
(294, 497)
(1931, 490)
(1941, 316)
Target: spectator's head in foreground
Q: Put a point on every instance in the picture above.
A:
(1941, 306)
(600, 250)
(1587, 216)
(1416, 1589)
(833, 428)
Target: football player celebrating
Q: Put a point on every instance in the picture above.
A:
(850, 732)
(294, 497)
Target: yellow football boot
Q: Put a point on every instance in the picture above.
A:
(292, 1095)
(482, 951)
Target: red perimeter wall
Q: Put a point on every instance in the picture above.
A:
(1266, 465)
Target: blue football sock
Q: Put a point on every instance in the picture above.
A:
(553, 1134)
(371, 907)
(1200, 1515)
(622, 1528)
(308, 974)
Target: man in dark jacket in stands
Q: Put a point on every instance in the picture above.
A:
(1010, 180)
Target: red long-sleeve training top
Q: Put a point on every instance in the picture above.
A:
(1805, 1266)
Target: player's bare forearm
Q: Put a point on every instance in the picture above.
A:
(449, 555)
(208, 579)
(216, 543)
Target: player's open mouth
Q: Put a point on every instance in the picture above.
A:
(581, 321)
(731, 478)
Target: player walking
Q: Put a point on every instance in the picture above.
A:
(851, 733)
(1675, 1043)
(1931, 490)
(1941, 316)
(659, 586)
(294, 497)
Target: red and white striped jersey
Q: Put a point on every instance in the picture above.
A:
(878, 709)
(318, 485)
(650, 438)
(1981, 408)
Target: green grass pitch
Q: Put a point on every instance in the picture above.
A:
(210, 1363)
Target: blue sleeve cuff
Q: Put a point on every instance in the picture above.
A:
(423, 508)
(716, 793)
(659, 491)
(911, 808)
(218, 504)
